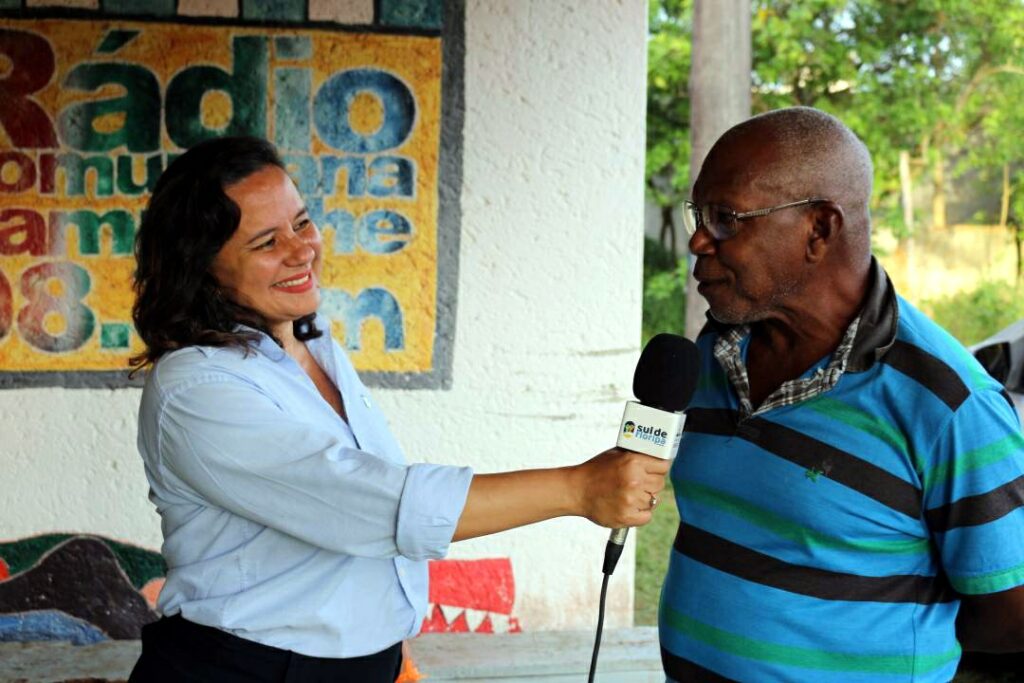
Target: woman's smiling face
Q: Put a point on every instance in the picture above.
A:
(271, 263)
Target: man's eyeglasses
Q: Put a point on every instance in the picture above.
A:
(722, 222)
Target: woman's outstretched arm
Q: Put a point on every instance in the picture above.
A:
(612, 489)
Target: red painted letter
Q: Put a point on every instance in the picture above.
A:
(27, 234)
(32, 65)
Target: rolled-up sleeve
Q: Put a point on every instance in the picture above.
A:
(224, 442)
(431, 505)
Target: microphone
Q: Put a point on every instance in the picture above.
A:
(663, 383)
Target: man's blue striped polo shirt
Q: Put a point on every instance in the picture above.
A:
(828, 540)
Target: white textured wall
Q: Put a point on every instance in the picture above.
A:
(548, 318)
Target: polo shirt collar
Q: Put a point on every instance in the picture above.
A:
(879, 318)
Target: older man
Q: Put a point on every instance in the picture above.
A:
(850, 481)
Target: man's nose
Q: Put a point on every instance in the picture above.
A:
(701, 241)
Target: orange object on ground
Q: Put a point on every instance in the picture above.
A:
(409, 672)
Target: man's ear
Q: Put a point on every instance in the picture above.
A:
(827, 222)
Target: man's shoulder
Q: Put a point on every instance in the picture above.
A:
(933, 357)
(918, 330)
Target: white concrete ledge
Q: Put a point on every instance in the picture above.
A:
(627, 656)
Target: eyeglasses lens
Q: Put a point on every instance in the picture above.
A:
(717, 221)
(690, 218)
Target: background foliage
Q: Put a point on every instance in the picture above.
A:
(664, 291)
(974, 315)
(940, 80)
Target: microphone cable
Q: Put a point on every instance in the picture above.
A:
(612, 551)
(600, 627)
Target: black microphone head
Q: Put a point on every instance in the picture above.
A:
(666, 374)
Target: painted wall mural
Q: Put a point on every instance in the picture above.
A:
(83, 589)
(86, 589)
(471, 596)
(363, 98)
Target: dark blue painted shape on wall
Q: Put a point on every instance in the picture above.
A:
(335, 98)
(25, 627)
(374, 302)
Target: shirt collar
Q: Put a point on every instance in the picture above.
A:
(266, 345)
(727, 350)
(879, 318)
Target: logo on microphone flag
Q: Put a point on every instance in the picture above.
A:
(656, 435)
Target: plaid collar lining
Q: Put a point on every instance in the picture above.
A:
(727, 351)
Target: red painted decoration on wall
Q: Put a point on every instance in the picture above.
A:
(471, 596)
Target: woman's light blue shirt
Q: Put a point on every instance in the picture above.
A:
(283, 524)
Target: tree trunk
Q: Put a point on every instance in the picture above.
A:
(1018, 239)
(939, 194)
(719, 97)
(1004, 206)
(907, 193)
(668, 229)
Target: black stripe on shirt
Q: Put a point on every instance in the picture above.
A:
(809, 453)
(979, 509)
(711, 421)
(737, 560)
(685, 671)
(929, 372)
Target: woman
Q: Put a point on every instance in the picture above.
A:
(296, 536)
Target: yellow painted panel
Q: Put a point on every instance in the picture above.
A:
(357, 116)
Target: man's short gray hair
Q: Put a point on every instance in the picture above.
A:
(818, 155)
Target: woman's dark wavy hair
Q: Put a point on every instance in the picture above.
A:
(187, 221)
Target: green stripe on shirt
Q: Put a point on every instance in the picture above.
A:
(791, 655)
(975, 459)
(992, 582)
(787, 528)
(862, 420)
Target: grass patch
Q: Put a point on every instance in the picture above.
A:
(653, 543)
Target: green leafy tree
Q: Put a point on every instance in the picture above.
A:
(938, 84)
(929, 77)
(668, 109)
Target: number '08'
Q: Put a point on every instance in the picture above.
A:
(50, 290)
